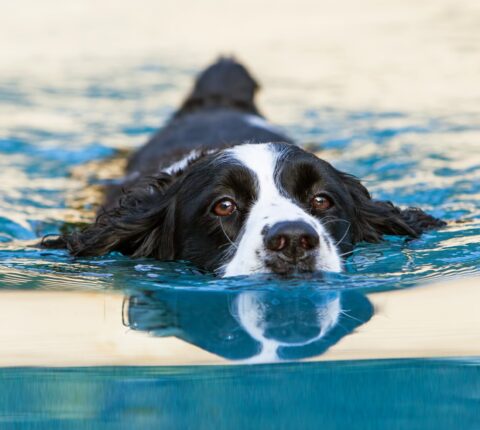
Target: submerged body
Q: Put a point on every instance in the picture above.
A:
(223, 188)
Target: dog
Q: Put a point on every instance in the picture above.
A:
(225, 189)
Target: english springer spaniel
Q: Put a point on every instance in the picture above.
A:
(223, 188)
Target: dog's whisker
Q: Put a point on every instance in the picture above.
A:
(329, 220)
(345, 235)
(226, 235)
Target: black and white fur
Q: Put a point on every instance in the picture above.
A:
(218, 146)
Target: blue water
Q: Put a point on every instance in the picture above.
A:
(407, 157)
(363, 395)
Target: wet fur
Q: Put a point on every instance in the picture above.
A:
(141, 214)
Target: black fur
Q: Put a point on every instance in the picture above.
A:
(225, 84)
(377, 218)
(142, 219)
(169, 217)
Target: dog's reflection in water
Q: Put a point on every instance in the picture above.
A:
(258, 326)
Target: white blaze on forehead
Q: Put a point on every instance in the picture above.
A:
(271, 207)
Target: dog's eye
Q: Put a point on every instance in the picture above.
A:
(224, 207)
(321, 202)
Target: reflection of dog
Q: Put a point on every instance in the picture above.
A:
(257, 325)
(242, 208)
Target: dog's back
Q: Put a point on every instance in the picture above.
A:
(219, 111)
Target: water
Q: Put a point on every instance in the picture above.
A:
(382, 93)
(410, 394)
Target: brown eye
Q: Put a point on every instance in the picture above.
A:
(321, 202)
(224, 207)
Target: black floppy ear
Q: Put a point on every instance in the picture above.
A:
(142, 225)
(373, 218)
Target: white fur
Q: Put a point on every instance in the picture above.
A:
(271, 207)
(181, 164)
(250, 313)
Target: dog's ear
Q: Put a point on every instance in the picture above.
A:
(372, 218)
(142, 225)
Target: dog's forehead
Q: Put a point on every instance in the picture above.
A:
(259, 158)
(216, 173)
(250, 159)
(273, 159)
(252, 165)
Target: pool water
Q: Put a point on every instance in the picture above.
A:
(414, 394)
(411, 159)
(407, 124)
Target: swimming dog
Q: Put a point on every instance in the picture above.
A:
(222, 187)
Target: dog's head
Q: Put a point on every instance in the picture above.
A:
(247, 209)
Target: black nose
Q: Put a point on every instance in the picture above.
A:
(293, 239)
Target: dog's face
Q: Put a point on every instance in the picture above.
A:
(251, 208)
(263, 208)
